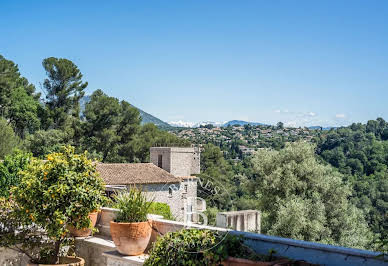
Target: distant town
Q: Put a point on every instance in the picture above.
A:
(238, 141)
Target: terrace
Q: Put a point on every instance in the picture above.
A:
(99, 250)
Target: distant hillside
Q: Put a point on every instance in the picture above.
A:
(145, 117)
(242, 123)
(181, 124)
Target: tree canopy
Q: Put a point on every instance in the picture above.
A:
(304, 199)
(18, 101)
(64, 87)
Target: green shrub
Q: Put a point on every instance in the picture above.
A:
(160, 208)
(185, 247)
(8, 139)
(9, 170)
(133, 205)
(200, 247)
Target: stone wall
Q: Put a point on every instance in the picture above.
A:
(92, 248)
(160, 193)
(177, 161)
(9, 257)
(181, 161)
(166, 157)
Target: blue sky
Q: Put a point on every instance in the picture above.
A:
(300, 62)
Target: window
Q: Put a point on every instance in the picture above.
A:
(186, 187)
(160, 158)
(170, 192)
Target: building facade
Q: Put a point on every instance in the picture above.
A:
(168, 178)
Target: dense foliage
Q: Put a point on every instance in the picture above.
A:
(299, 196)
(185, 247)
(58, 193)
(10, 169)
(360, 152)
(200, 247)
(110, 129)
(303, 199)
(163, 209)
(8, 139)
(19, 103)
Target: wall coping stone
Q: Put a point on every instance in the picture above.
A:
(97, 240)
(128, 260)
(310, 245)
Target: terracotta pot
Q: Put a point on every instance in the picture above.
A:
(244, 262)
(64, 261)
(131, 238)
(106, 216)
(84, 232)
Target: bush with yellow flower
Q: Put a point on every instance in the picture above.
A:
(52, 195)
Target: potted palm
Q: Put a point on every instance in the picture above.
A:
(131, 230)
(51, 196)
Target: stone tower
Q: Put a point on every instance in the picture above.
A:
(176, 160)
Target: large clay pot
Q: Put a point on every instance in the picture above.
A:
(64, 261)
(131, 238)
(84, 232)
(106, 216)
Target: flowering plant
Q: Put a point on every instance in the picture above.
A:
(53, 195)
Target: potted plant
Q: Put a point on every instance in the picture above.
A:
(131, 230)
(51, 196)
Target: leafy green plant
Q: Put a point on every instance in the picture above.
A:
(160, 208)
(133, 205)
(201, 247)
(10, 168)
(51, 196)
(186, 247)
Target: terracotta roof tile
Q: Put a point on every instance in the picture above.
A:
(134, 173)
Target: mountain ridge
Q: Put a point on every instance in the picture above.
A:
(145, 117)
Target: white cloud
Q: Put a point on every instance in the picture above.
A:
(312, 114)
(340, 115)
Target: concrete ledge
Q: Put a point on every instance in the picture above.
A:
(92, 248)
(113, 258)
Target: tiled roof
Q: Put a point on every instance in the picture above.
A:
(134, 173)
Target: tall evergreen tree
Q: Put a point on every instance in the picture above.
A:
(64, 89)
(8, 140)
(18, 101)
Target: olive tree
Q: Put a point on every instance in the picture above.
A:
(304, 199)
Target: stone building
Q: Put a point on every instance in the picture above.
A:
(177, 160)
(168, 178)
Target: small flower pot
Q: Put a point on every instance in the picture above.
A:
(84, 232)
(131, 238)
(64, 261)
